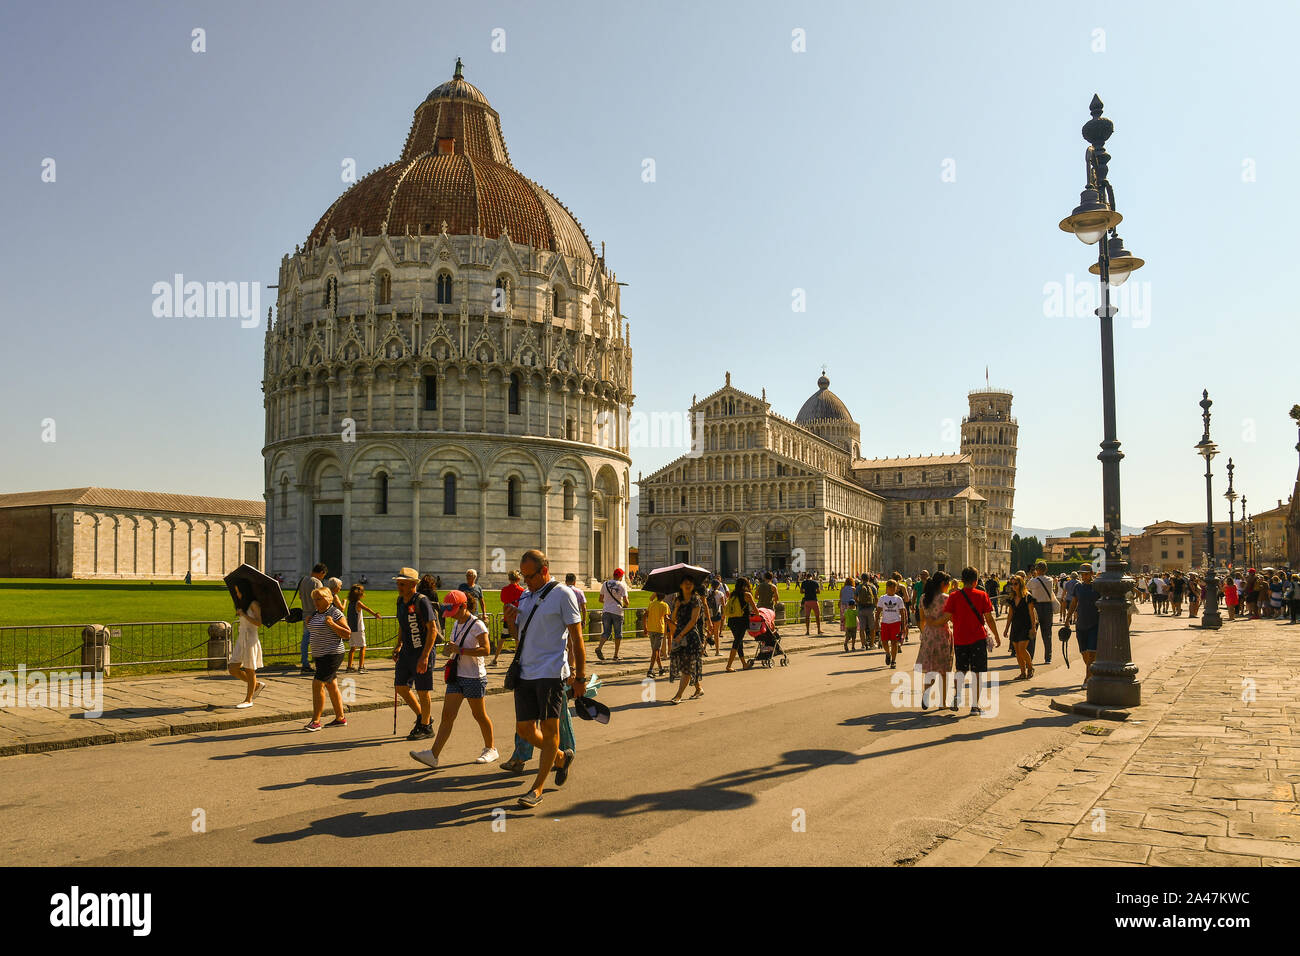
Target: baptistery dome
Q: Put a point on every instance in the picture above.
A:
(455, 169)
(448, 374)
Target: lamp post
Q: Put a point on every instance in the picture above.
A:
(1232, 531)
(1114, 680)
(1206, 449)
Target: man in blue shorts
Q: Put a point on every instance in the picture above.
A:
(417, 630)
(1084, 610)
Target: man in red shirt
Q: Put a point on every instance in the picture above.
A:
(509, 598)
(970, 611)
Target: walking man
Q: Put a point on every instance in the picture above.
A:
(1043, 595)
(1084, 608)
(972, 622)
(417, 630)
(473, 592)
(545, 626)
(306, 586)
(811, 588)
(613, 597)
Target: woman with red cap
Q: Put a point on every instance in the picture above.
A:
(467, 648)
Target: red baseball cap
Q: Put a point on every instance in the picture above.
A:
(618, 572)
(453, 601)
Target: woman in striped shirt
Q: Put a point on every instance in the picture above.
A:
(328, 630)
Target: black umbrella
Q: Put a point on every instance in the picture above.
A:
(669, 579)
(256, 586)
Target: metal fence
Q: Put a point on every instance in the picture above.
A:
(190, 645)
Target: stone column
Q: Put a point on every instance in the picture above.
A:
(416, 483)
(347, 529)
(483, 487)
(546, 509)
(304, 529)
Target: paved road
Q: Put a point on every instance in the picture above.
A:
(722, 780)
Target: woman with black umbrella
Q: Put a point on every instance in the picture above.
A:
(246, 657)
(686, 617)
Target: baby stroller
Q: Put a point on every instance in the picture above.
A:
(762, 628)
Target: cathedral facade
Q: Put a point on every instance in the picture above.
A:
(448, 374)
(762, 492)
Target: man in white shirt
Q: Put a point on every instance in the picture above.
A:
(548, 625)
(1043, 594)
(613, 598)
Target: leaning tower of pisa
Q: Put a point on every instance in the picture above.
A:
(988, 435)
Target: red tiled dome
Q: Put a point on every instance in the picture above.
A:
(455, 169)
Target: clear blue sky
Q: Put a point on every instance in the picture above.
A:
(775, 170)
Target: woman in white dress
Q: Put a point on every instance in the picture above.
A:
(246, 658)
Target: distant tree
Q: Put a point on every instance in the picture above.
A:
(1092, 532)
(1295, 413)
(1025, 551)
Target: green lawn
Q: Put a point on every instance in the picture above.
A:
(40, 621)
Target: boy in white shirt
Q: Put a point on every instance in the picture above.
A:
(891, 621)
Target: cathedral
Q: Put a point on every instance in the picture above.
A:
(448, 374)
(761, 492)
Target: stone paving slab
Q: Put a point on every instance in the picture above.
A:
(136, 708)
(1206, 772)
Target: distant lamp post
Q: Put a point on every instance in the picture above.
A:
(1114, 680)
(1232, 530)
(1206, 449)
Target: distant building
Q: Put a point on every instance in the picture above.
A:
(110, 533)
(763, 492)
(1179, 545)
(1084, 546)
(1271, 535)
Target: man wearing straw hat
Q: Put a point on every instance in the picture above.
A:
(417, 630)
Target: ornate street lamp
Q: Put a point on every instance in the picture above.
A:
(1207, 450)
(1114, 680)
(1232, 531)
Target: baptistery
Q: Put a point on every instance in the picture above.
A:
(447, 374)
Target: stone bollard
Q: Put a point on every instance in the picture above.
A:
(638, 622)
(828, 610)
(595, 625)
(780, 612)
(219, 646)
(94, 649)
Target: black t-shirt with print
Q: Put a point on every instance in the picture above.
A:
(412, 616)
(810, 589)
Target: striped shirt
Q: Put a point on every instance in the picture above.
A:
(324, 641)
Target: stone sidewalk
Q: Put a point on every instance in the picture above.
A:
(1206, 772)
(134, 708)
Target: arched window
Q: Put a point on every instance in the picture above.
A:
(381, 494)
(570, 501)
(444, 288)
(898, 478)
(911, 543)
(923, 508)
(557, 302)
(383, 288)
(449, 494)
(514, 394)
(501, 298)
(430, 393)
(512, 497)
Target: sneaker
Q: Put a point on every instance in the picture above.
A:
(650, 674)
(338, 722)
(489, 755)
(415, 730)
(513, 766)
(599, 656)
(244, 703)
(425, 731)
(261, 686)
(562, 774)
(348, 669)
(314, 726)
(361, 670)
(529, 800)
(975, 711)
(425, 757)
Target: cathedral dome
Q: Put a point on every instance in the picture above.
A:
(455, 170)
(823, 405)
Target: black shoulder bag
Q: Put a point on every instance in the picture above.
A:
(971, 604)
(511, 680)
(295, 614)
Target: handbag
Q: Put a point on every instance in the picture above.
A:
(512, 678)
(451, 669)
(295, 613)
